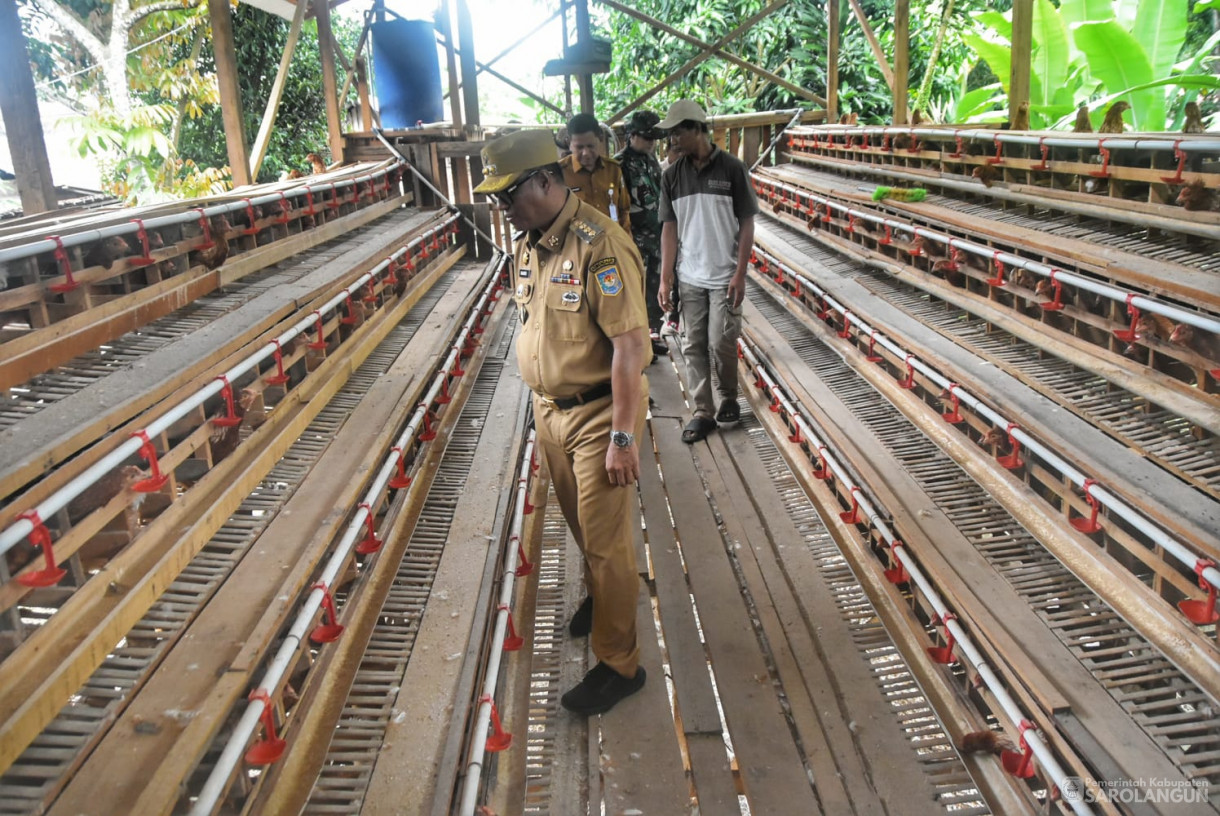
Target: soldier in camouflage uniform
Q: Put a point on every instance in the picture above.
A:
(642, 175)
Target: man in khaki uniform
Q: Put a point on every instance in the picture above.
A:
(582, 350)
(596, 179)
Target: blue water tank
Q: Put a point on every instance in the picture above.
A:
(407, 73)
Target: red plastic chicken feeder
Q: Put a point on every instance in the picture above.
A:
(40, 537)
(270, 748)
(1202, 612)
(512, 641)
(326, 632)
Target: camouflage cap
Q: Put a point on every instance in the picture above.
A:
(644, 123)
(508, 158)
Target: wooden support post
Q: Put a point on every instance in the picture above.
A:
(585, 81)
(833, 25)
(470, 82)
(362, 88)
(277, 91)
(1022, 45)
(22, 122)
(330, 84)
(902, 62)
(230, 94)
(455, 101)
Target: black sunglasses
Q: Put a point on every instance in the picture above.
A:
(504, 198)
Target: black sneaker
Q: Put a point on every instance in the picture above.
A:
(729, 412)
(601, 689)
(582, 622)
(659, 349)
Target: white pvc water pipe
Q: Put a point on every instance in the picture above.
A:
(1111, 501)
(216, 783)
(189, 216)
(61, 498)
(478, 744)
(1032, 738)
(1141, 302)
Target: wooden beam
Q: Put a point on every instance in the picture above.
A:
(834, 26)
(1022, 48)
(873, 44)
(230, 93)
(330, 84)
(263, 139)
(902, 58)
(470, 85)
(745, 26)
(720, 52)
(23, 124)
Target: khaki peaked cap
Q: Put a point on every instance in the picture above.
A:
(508, 158)
(681, 111)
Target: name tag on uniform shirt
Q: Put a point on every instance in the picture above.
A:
(523, 273)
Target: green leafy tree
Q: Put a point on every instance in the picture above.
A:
(300, 126)
(1096, 52)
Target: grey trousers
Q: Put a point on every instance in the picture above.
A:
(711, 329)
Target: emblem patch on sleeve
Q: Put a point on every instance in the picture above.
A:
(609, 280)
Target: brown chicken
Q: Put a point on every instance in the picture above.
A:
(315, 162)
(1021, 120)
(996, 439)
(1196, 196)
(222, 441)
(929, 248)
(215, 255)
(916, 118)
(986, 742)
(986, 173)
(853, 118)
(1113, 123)
(107, 251)
(1203, 343)
(1083, 123)
(950, 271)
(1194, 119)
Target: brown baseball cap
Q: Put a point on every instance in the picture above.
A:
(681, 111)
(508, 158)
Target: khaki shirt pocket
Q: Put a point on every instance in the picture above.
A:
(567, 313)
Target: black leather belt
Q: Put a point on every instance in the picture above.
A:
(564, 403)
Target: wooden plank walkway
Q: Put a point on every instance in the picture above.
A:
(758, 693)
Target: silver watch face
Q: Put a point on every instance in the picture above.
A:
(621, 439)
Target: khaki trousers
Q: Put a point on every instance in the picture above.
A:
(573, 445)
(710, 327)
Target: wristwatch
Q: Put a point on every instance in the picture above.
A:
(622, 439)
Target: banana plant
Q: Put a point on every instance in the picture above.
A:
(1115, 49)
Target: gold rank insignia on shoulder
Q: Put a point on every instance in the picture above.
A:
(587, 232)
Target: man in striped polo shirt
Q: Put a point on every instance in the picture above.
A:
(707, 233)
